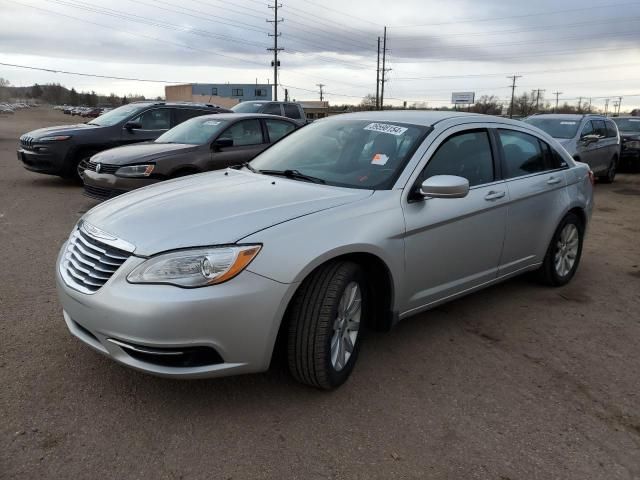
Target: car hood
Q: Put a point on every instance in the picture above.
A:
(141, 152)
(630, 135)
(214, 208)
(61, 130)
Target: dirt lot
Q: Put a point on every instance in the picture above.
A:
(516, 382)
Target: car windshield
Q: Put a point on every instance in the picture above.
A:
(628, 124)
(556, 127)
(348, 153)
(196, 131)
(117, 115)
(247, 107)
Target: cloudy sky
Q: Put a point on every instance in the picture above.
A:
(582, 48)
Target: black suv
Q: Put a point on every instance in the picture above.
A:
(290, 110)
(59, 150)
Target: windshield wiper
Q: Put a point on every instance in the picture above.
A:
(247, 166)
(295, 174)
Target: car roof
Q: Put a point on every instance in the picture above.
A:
(264, 101)
(177, 104)
(237, 116)
(567, 116)
(427, 118)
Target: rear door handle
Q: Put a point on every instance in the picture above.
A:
(494, 195)
(554, 180)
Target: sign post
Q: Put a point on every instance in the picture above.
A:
(463, 98)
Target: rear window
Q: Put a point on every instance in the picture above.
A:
(292, 111)
(556, 127)
(247, 107)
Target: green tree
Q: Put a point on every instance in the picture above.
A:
(36, 91)
(73, 97)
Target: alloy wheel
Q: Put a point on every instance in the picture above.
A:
(566, 249)
(346, 326)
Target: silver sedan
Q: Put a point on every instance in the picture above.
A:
(355, 221)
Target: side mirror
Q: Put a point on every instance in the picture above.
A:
(444, 186)
(221, 143)
(132, 126)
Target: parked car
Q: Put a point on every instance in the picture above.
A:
(354, 221)
(592, 139)
(203, 143)
(629, 128)
(91, 113)
(291, 110)
(59, 150)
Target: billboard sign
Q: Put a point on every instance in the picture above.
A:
(463, 98)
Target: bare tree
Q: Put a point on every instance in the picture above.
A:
(369, 101)
(488, 104)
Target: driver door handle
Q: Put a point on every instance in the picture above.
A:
(492, 195)
(554, 180)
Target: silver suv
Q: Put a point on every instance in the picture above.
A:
(592, 139)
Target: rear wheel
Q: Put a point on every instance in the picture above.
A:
(564, 252)
(610, 176)
(325, 324)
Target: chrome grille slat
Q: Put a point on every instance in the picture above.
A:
(88, 263)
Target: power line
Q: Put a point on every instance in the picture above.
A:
(489, 19)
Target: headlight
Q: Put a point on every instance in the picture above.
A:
(633, 144)
(56, 138)
(197, 267)
(135, 171)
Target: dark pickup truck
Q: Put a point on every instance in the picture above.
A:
(59, 150)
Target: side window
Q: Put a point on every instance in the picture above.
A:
(522, 153)
(272, 109)
(552, 159)
(466, 154)
(600, 128)
(260, 92)
(182, 114)
(278, 129)
(246, 132)
(158, 119)
(237, 92)
(587, 129)
(291, 111)
(612, 130)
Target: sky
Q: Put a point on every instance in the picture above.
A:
(581, 48)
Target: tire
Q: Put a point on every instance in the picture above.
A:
(315, 325)
(553, 272)
(71, 172)
(610, 176)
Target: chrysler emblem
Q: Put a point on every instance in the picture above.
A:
(96, 232)
(98, 167)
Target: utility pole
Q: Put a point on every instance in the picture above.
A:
(590, 104)
(378, 78)
(619, 105)
(538, 97)
(579, 104)
(615, 108)
(513, 91)
(606, 107)
(320, 86)
(384, 70)
(275, 63)
(557, 94)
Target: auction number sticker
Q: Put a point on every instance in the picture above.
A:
(386, 128)
(211, 122)
(568, 123)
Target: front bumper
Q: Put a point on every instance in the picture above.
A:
(107, 185)
(238, 319)
(48, 161)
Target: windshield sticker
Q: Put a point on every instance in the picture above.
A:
(568, 123)
(380, 159)
(211, 122)
(386, 128)
(634, 120)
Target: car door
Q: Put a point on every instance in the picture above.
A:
(586, 146)
(536, 182)
(453, 245)
(604, 150)
(152, 123)
(248, 140)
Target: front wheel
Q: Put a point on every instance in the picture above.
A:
(610, 176)
(564, 252)
(325, 324)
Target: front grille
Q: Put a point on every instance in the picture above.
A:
(26, 142)
(88, 264)
(101, 193)
(104, 167)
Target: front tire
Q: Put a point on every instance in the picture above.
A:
(610, 176)
(325, 324)
(564, 252)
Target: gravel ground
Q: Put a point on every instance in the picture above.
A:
(516, 382)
